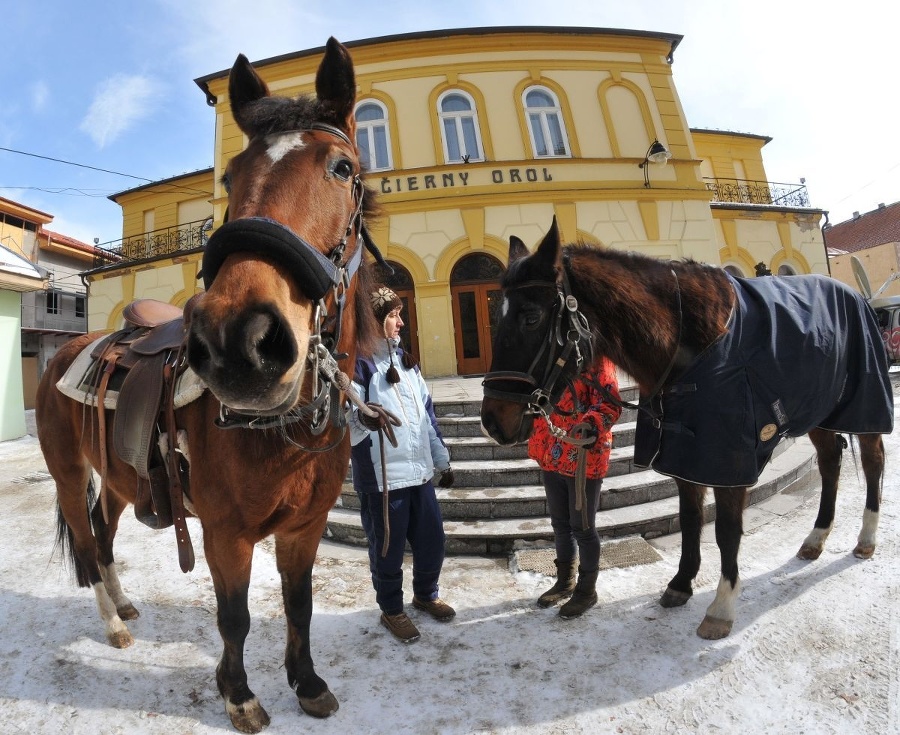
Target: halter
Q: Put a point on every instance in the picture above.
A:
(568, 338)
(317, 274)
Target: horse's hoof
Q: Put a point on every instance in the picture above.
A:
(120, 638)
(128, 612)
(322, 706)
(714, 628)
(249, 716)
(864, 551)
(809, 553)
(674, 598)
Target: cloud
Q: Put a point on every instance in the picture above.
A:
(121, 102)
(40, 94)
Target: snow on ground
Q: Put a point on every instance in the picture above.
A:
(814, 648)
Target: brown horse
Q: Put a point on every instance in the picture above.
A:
(665, 324)
(285, 298)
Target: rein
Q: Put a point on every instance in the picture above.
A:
(317, 275)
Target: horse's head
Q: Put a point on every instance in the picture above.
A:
(540, 342)
(279, 270)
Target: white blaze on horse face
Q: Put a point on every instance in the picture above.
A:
(504, 307)
(280, 144)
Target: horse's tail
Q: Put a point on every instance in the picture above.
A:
(65, 537)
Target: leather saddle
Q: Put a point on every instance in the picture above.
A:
(146, 356)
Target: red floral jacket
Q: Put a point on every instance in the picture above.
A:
(554, 455)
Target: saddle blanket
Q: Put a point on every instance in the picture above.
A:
(80, 382)
(800, 352)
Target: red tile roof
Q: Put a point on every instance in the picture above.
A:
(865, 230)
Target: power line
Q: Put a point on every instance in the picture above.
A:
(174, 187)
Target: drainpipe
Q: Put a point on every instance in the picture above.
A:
(825, 241)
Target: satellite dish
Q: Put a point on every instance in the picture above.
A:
(862, 279)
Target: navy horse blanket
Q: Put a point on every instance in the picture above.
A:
(800, 352)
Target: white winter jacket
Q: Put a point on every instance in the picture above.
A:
(420, 448)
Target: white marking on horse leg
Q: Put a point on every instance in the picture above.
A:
(865, 545)
(814, 544)
(720, 614)
(280, 144)
(113, 587)
(116, 632)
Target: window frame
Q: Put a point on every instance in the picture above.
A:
(367, 127)
(543, 114)
(457, 117)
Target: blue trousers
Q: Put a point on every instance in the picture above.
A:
(569, 529)
(415, 516)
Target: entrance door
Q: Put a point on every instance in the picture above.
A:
(476, 312)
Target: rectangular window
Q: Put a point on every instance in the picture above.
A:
(79, 306)
(53, 302)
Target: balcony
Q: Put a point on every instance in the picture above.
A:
(188, 237)
(767, 193)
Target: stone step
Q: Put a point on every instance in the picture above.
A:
(792, 468)
(472, 408)
(469, 427)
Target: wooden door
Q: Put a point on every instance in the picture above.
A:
(476, 311)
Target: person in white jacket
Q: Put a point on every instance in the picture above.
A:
(391, 379)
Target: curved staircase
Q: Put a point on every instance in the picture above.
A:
(497, 503)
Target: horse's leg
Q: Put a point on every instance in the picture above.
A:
(229, 559)
(296, 555)
(871, 450)
(74, 491)
(105, 532)
(719, 618)
(829, 447)
(690, 514)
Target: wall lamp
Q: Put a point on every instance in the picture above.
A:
(656, 153)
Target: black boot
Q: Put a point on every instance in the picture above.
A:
(564, 585)
(583, 598)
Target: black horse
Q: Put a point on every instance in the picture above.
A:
(726, 367)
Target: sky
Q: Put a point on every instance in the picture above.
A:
(111, 85)
(814, 647)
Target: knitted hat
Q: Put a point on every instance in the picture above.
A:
(384, 301)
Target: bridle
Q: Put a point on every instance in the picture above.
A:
(317, 274)
(568, 339)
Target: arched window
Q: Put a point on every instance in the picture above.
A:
(545, 123)
(372, 136)
(733, 270)
(459, 127)
(786, 270)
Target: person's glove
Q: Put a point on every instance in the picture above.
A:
(373, 423)
(382, 420)
(446, 478)
(583, 435)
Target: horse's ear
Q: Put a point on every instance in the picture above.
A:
(517, 249)
(336, 82)
(549, 250)
(244, 86)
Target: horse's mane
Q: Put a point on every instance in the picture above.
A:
(632, 299)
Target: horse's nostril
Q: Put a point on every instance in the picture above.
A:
(198, 355)
(268, 343)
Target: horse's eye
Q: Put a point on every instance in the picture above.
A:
(343, 169)
(531, 319)
(226, 182)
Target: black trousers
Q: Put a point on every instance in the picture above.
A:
(569, 529)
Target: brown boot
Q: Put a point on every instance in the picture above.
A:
(583, 598)
(564, 585)
(437, 608)
(401, 626)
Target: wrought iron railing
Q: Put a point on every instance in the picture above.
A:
(147, 245)
(740, 191)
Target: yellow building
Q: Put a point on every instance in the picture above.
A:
(474, 135)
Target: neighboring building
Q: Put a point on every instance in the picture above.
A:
(473, 135)
(19, 278)
(874, 239)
